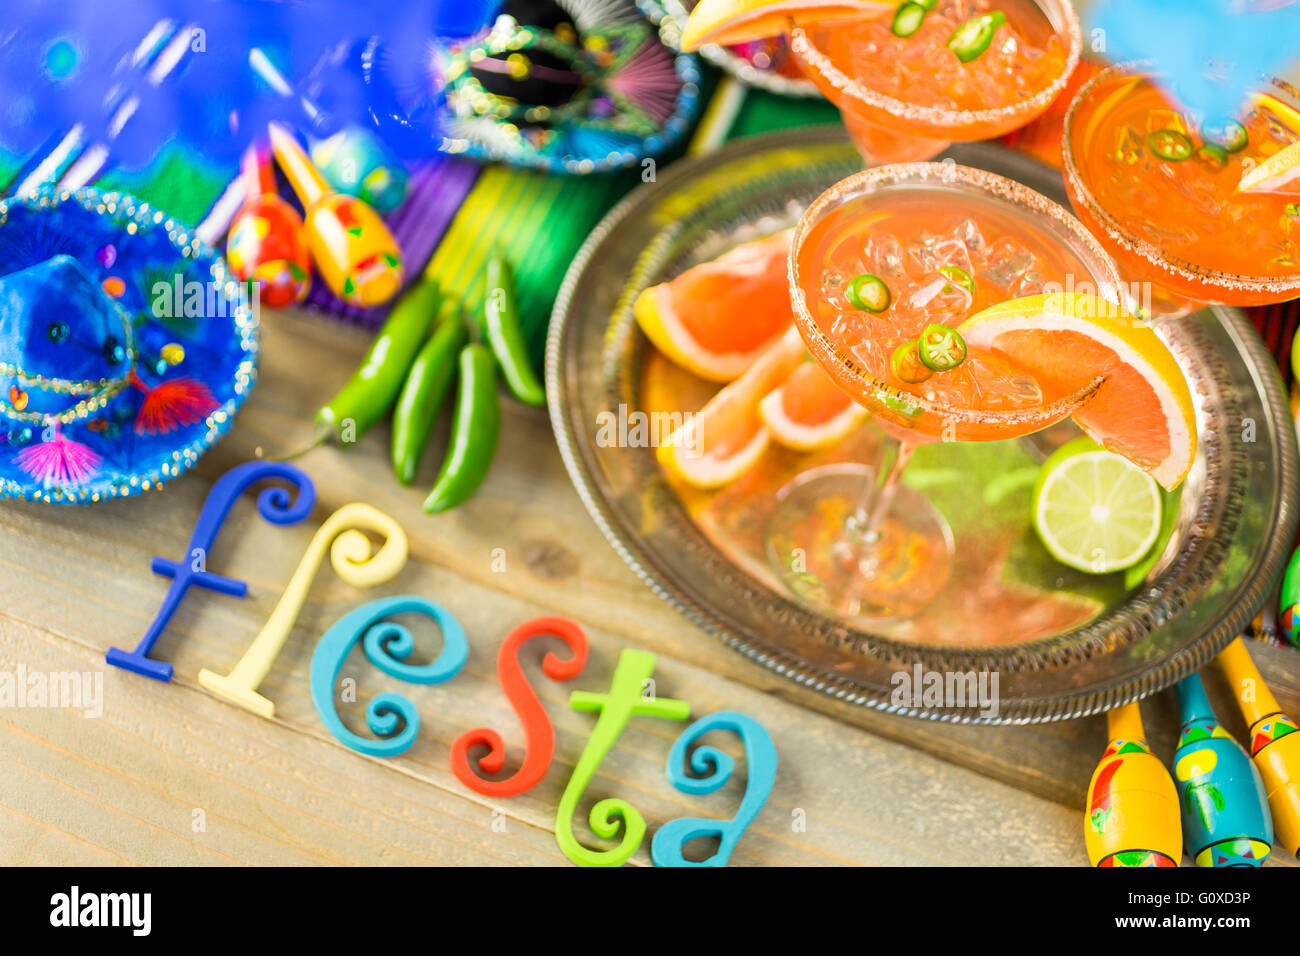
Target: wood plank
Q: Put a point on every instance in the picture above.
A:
(873, 788)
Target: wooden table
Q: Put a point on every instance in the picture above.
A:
(170, 774)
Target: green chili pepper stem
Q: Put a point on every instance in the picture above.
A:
(475, 427)
(506, 335)
(422, 397)
(371, 391)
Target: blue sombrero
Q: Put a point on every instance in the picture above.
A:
(126, 347)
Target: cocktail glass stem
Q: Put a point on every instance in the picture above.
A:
(878, 494)
(884, 558)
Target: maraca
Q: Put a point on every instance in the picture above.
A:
(353, 159)
(1132, 810)
(1225, 808)
(1289, 602)
(354, 252)
(1274, 742)
(266, 242)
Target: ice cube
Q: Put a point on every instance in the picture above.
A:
(1006, 261)
(1130, 147)
(1031, 283)
(969, 233)
(952, 252)
(883, 255)
(918, 260)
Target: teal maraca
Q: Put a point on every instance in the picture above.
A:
(1226, 819)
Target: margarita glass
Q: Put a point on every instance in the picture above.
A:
(907, 97)
(945, 241)
(1158, 185)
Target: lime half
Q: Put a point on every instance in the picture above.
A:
(1095, 511)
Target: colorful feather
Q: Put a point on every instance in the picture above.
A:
(172, 404)
(59, 462)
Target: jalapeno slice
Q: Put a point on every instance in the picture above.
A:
(941, 349)
(868, 292)
(958, 276)
(1170, 144)
(1227, 134)
(970, 40)
(908, 18)
(1215, 157)
(906, 364)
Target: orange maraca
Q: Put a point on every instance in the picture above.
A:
(266, 243)
(354, 252)
(1132, 816)
(1274, 742)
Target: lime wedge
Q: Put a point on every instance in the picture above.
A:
(1095, 511)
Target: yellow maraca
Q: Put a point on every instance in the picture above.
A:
(1132, 816)
(1274, 742)
(354, 252)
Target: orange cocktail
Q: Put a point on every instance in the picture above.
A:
(1161, 187)
(939, 242)
(960, 70)
(885, 267)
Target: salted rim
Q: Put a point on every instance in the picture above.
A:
(1126, 238)
(802, 44)
(957, 177)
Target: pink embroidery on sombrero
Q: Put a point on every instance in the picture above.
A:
(58, 461)
(171, 404)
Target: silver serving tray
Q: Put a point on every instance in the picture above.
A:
(1236, 517)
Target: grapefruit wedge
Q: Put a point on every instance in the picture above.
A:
(809, 411)
(1143, 409)
(726, 437)
(716, 318)
(739, 21)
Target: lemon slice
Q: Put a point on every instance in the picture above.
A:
(1279, 171)
(1094, 510)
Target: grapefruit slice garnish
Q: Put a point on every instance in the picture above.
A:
(809, 411)
(739, 21)
(726, 437)
(1280, 172)
(1142, 410)
(716, 318)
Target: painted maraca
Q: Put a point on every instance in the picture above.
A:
(1225, 809)
(267, 244)
(1289, 604)
(353, 159)
(1274, 742)
(354, 252)
(1132, 810)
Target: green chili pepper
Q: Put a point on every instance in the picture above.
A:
(1227, 134)
(970, 40)
(422, 396)
(370, 393)
(506, 336)
(942, 349)
(1170, 144)
(908, 18)
(868, 292)
(906, 364)
(474, 431)
(959, 276)
(1214, 157)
